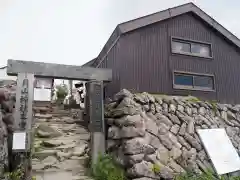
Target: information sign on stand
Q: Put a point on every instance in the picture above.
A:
(19, 141)
(220, 149)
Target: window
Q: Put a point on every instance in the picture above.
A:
(191, 48)
(193, 81)
(43, 83)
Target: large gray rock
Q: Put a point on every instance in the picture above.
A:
(49, 161)
(190, 127)
(163, 119)
(182, 130)
(163, 128)
(80, 150)
(45, 131)
(128, 120)
(122, 94)
(128, 110)
(165, 140)
(163, 155)
(142, 169)
(174, 129)
(134, 159)
(175, 167)
(125, 132)
(137, 146)
(174, 119)
(191, 140)
(151, 126)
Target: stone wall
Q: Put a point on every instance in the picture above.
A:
(7, 102)
(155, 136)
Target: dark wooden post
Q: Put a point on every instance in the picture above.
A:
(22, 136)
(95, 111)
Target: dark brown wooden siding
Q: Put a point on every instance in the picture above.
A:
(142, 60)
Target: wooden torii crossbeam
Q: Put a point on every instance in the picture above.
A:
(58, 71)
(26, 71)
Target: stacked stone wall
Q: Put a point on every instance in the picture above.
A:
(7, 103)
(155, 137)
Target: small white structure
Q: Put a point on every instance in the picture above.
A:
(43, 89)
(5, 79)
(4, 76)
(79, 97)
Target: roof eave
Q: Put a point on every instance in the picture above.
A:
(160, 16)
(108, 46)
(176, 11)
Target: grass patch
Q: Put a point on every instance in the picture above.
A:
(156, 168)
(208, 175)
(214, 105)
(193, 99)
(106, 168)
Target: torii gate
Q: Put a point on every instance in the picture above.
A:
(26, 71)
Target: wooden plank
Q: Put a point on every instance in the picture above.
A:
(58, 71)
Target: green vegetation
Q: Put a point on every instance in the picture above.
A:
(156, 168)
(193, 99)
(61, 92)
(208, 175)
(106, 168)
(214, 105)
(15, 175)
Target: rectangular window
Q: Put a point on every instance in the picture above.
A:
(43, 83)
(193, 81)
(191, 48)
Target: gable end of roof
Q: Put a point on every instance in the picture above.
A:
(176, 11)
(158, 17)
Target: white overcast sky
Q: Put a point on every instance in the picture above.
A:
(74, 31)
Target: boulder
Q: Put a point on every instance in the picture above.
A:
(45, 131)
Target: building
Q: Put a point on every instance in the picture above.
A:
(43, 90)
(4, 78)
(178, 51)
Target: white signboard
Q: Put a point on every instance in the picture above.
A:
(224, 156)
(19, 141)
(42, 94)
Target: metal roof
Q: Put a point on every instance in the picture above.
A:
(89, 63)
(4, 67)
(157, 17)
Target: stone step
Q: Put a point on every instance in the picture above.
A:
(77, 170)
(43, 116)
(60, 112)
(51, 164)
(78, 134)
(43, 110)
(59, 121)
(64, 175)
(45, 153)
(83, 178)
(57, 152)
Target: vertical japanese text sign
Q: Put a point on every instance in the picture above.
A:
(23, 107)
(95, 105)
